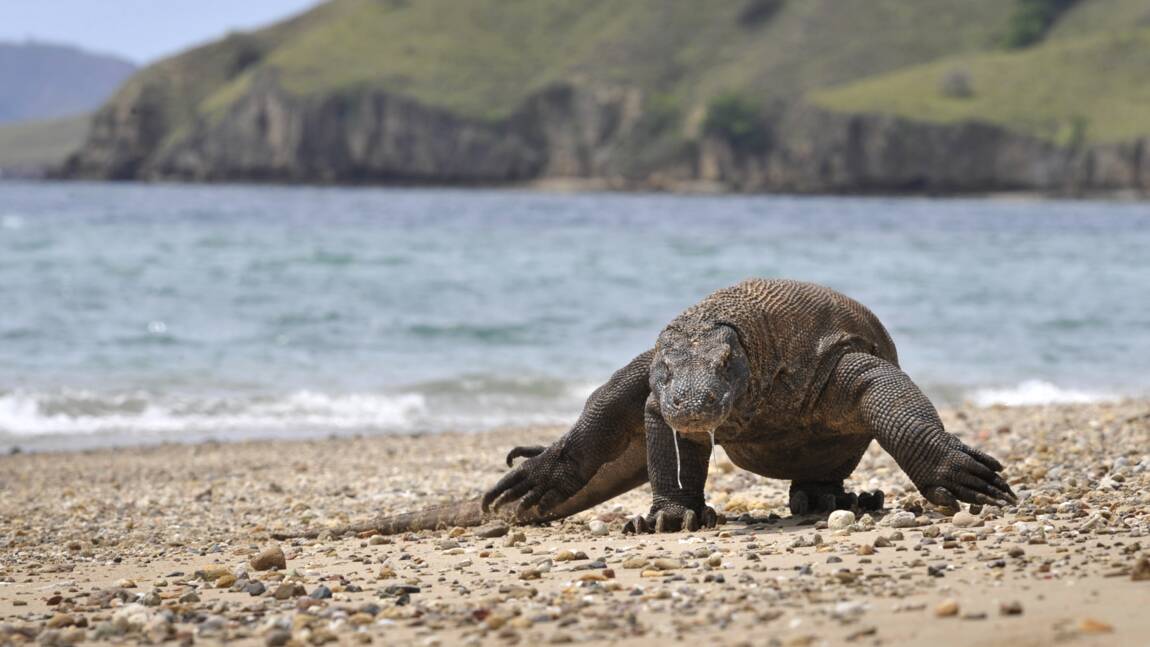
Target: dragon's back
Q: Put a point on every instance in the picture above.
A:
(794, 332)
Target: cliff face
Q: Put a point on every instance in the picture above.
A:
(571, 131)
(643, 94)
(362, 136)
(815, 151)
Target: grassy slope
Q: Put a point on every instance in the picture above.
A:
(482, 57)
(40, 143)
(1091, 16)
(1096, 81)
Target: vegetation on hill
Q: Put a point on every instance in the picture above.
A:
(1089, 89)
(482, 58)
(1032, 19)
(738, 121)
(36, 144)
(432, 90)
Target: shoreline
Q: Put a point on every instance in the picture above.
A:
(591, 186)
(104, 441)
(102, 545)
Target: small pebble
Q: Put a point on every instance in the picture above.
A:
(1141, 572)
(321, 592)
(947, 608)
(840, 519)
(1012, 608)
(277, 638)
(1093, 626)
(963, 519)
(289, 590)
(492, 530)
(271, 558)
(903, 520)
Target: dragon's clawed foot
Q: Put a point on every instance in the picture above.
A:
(673, 518)
(808, 498)
(964, 474)
(547, 478)
(872, 501)
(524, 452)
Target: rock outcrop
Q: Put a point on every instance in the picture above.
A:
(361, 136)
(578, 131)
(815, 151)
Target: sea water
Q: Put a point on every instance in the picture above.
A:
(144, 313)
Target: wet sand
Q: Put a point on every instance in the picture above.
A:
(154, 544)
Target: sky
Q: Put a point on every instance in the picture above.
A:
(139, 30)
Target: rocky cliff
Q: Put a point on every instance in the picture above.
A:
(811, 150)
(577, 132)
(752, 95)
(364, 136)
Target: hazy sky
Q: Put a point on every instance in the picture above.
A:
(140, 30)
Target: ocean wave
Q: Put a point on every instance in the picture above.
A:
(25, 414)
(1032, 392)
(79, 418)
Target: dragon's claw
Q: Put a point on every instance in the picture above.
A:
(673, 518)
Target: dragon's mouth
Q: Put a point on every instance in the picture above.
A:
(694, 427)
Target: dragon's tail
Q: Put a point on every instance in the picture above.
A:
(465, 514)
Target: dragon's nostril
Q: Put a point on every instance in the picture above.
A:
(711, 398)
(677, 400)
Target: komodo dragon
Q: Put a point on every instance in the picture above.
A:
(792, 379)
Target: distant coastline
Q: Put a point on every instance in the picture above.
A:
(907, 98)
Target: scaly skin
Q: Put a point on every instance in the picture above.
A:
(793, 379)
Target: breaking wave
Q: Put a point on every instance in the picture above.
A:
(78, 419)
(1032, 392)
(25, 414)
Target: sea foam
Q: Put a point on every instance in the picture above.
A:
(1032, 392)
(80, 412)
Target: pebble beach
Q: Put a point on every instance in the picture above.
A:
(173, 543)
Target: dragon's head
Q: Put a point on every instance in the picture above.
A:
(698, 372)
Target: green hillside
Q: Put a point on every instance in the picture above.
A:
(37, 144)
(1085, 89)
(1092, 16)
(636, 91)
(481, 58)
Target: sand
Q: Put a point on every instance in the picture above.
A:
(145, 545)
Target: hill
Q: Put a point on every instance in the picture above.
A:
(27, 148)
(40, 81)
(642, 93)
(1089, 89)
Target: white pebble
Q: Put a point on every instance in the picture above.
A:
(963, 519)
(840, 519)
(902, 520)
(598, 528)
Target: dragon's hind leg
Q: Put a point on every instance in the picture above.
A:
(827, 496)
